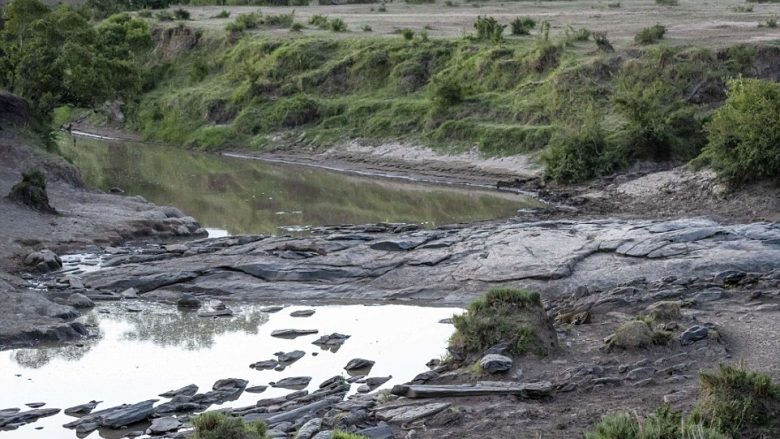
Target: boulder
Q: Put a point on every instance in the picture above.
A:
(634, 334)
(79, 300)
(694, 334)
(163, 425)
(494, 363)
(295, 383)
(358, 364)
(43, 260)
(309, 429)
(188, 300)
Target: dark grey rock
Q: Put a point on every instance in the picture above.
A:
(43, 260)
(694, 334)
(82, 409)
(263, 365)
(292, 383)
(128, 415)
(35, 405)
(292, 333)
(256, 389)
(309, 429)
(13, 418)
(271, 309)
(494, 363)
(187, 390)
(79, 300)
(163, 425)
(379, 432)
(188, 300)
(640, 373)
(302, 313)
(289, 357)
(358, 364)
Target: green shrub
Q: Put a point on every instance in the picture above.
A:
(742, 8)
(738, 402)
(407, 33)
(145, 13)
(366, 28)
(602, 42)
(650, 35)
(446, 92)
(245, 21)
(579, 154)
(337, 25)
(31, 191)
(320, 21)
(667, 2)
(665, 423)
(770, 22)
(223, 14)
(522, 25)
(296, 27)
(450, 4)
(503, 315)
(613, 5)
(744, 134)
(488, 29)
(281, 20)
(581, 34)
(181, 14)
(338, 434)
(165, 16)
(216, 425)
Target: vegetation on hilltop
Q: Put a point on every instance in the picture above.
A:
(583, 109)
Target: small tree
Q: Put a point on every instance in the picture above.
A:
(488, 29)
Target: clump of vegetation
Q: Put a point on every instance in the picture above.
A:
(281, 20)
(366, 28)
(165, 15)
(446, 92)
(296, 27)
(31, 192)
(667, 2)
(522, 25)
(770, 22)
(145, 13)
(578, 154)
(339, 434)
(216, 425)
(223, 14)
(602, 42)
(744, 134)
(181, 14)
(613, 5)
(733, 402)
(634, 334)
(245, 22)
(450, 4)
(488, 29)
(581, 34)
(650, 35)
(407, 33)
(742, 8)
(504, 315)
(337, 25)
(318, 20)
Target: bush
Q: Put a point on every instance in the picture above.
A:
(488, 29)
(407, 33)
(613, 5)
(319, 20)
(338, 434)
(281, 20)
(223, 14)
(296, 27)
(770, 22)
(581, 34)
(145, 13)
(337, 25)
(738, 402)
(165, 16)
(743, 8)
(665, 423)
(245, 21)
(667, 2)
(366, 28)
(522, 25)
(504, 315)
(31, 191)
(744, 134)
(575, 155)
(216, 425)
(446, 92)
(181, 14)
(602, 42)
(650, 35)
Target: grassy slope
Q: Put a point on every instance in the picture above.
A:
(510, 98)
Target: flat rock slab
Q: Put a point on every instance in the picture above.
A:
(128, 415)
(163, 425)
(295, 383)
(12, 418)
(302, 313)
(187, 390)
(525, 390)
(292, 333)
(411, 413)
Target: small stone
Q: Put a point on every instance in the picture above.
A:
(273, 308)
(292, 333)
(256, 389)
(358, 364)
(295, 383)
(708, 295)
(640, 373)
(694, 334)
(35, 405)
(302, 313)
(188, 300)
(289, 357)
(79, 300)
(494, 363)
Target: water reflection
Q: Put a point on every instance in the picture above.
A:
(185, 330)
(250, 196)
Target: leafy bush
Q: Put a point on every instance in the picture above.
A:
(580, 154)
(733, 403)
(181, 14)
(667, 2)
(366, 28)
(337, 25)
(296, 27)
(581, 34)
(770, 22)
(407, 33)
(602, 42)
(650, 35)
(744, 134)
(738, 402)
(320, 21)
(522, 25)
(505, 315)
(145, 13)
(281, 20)
(742, 8)
(165, 16)
(338, 434)
(245, 21)
(488, 29)
(216, 425)
(223, 14)
(31, 191)
(446, 92)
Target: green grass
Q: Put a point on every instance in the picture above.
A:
(650, 35)
(514, 95)
(501, 315)
(733, 403)
(216, 425)
(338, 434)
